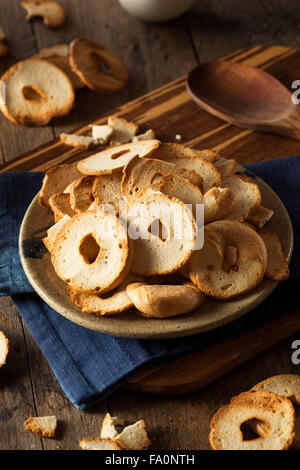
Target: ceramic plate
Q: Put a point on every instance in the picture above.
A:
(213, 314)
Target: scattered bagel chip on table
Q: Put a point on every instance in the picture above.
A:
(270, 410)
(44, 426)
(116, 436)
(36, 91)
(78, 141)
(276, 411)
(43, 86)
(4, 348)
(52, 12)
(85, 57)
(286, 385)
(150, 268)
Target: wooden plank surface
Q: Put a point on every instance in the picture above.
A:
(154, 54)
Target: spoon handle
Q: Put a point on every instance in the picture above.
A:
(288, 126)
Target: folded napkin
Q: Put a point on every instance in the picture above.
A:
(90, 365)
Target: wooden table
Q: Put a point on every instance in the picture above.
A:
(154, 54)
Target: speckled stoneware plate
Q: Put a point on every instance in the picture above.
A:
(213, 314)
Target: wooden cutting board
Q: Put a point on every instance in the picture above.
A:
(170, 112)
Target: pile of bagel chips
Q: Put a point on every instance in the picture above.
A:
(157, 226)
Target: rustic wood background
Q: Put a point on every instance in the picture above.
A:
(154, 54)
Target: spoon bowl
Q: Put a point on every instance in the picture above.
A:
(246, 96)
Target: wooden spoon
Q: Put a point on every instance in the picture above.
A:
(246, 96)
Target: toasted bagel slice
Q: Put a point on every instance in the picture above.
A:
(59, 56)
(61, 206)
(173, 150)
(286, 385)
(53, 231)
(114, 159)
(143, 173)
(227, 167)
(81, 193)
(248, 195)
(91, 252)
(162, 301)
(84, 59)
(36, 91)
(259, 215)
(218, 204)
(232, 261)
(56, 181)
(276, 411)
(190, 160)
(163, 231)
(181, 188)
(4, 347)
(277, 268)
(114, 302)
(107, 190)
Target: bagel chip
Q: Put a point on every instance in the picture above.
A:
(277, 267)
(86, 56)
(52, 13)
(114, 302)
(56, 181)
(97, 443)
(4, 347)
(123, 131)
(275, 411)
(36, 91)
(42, 426)
(114, 159)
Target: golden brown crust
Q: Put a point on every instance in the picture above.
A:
(59, 56)
(115, 303)
(140, 266)
(286, 385)
(140, 174)
(33, 115)
(161, 301)
(82, 60)
(40, 427)
(109, 444)
(60, 205)
(262, 405)
(81, 193)
(52, 12)
(56, 181)
(207, 267)
(4, 343)
(277, 266)
(113, 159)
(68, 237)
(259, 216)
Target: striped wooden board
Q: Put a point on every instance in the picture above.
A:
(170, 111)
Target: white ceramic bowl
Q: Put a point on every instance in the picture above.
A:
(156, 10)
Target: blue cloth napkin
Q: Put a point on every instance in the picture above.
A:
(90, 365)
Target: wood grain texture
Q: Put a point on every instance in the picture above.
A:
(16, 394)
(13, 140)
(170, 111)
(156, 54)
